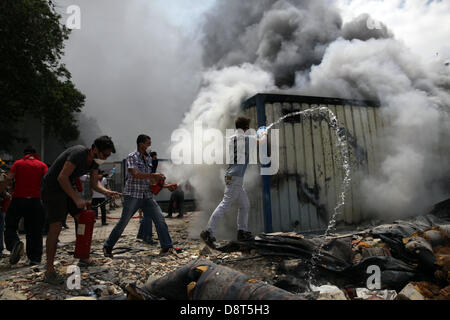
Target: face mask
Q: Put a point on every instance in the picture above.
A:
(148, 150)
(99, 161)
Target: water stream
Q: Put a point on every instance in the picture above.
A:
(342, 145)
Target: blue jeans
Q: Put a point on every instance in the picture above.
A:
(2, 229)
(151, 211)
(145, 229)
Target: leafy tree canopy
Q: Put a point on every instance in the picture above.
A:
(33, 80)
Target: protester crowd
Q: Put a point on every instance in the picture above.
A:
(43, 196)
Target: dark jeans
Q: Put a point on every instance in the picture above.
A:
(178, 197)
(2, 228)
(33, 213)
(96, 202)
(151, 210)
(145, 229)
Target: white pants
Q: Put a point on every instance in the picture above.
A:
(233, 191)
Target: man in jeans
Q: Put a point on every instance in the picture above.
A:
(137, 194)
(4, 199)
(145, 232)
(176, 202)
(26, 202)
(234, 180)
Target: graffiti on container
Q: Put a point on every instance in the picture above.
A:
(310, 195)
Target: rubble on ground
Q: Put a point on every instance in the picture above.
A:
(413, 257)
(134, 262)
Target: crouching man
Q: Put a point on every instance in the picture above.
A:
(60, 198)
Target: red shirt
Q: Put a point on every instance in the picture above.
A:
(28, 174)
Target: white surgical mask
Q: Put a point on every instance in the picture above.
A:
(99, 161)
(148, 150)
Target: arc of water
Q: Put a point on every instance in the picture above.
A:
(343, 147)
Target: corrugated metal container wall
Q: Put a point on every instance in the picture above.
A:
(302, 196)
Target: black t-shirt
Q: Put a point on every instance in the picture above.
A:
(76, 155)
(154, 165)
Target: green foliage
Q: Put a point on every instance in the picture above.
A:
(32, 78)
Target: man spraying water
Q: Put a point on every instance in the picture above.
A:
(234, 179)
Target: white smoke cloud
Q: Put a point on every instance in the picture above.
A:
(422, 25)
(141, 72)
(414, 98)
(309, 46)
(217, 105)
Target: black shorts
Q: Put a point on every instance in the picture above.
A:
(57, 205)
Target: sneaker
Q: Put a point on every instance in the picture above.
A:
(208, 238)
(245, 236)
(34, 263)
(87, 264)
(107, 252)
(170, 250)
(54, 278)
(16, 253)
(165, 250)
(149, 241)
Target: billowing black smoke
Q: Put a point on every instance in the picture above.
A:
(303, 47)
(281, 36)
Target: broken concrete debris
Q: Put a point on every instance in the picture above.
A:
(412, 257)
(366, 294)
(327, 292)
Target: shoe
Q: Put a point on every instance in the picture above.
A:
(16, 253)
(34, 263)
(170, 250)
(107, 252)
(245, 236)
(87, 264)
(208, 238)
(180, 217)
(104, 224)
(150, 242)
(168, 217)
(54, 278)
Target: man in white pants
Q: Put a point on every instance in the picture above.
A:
(234, 179)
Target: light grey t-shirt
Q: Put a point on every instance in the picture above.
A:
(240, 146)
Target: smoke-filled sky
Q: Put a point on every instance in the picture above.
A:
(152, 67)
(140, 62)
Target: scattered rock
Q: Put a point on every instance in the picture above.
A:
(328, 292)
(366, 294)
(410, 292)
(8, 294)
(82, 298)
